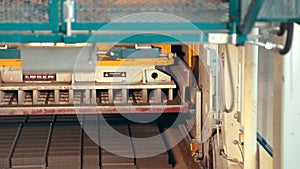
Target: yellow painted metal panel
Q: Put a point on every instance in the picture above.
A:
(10, 62)
(106, 62)
(136, 62)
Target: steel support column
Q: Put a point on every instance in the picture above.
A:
(290, 131)
(250, 105)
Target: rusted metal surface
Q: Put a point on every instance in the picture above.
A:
(95, 109)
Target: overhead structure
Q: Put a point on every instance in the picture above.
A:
(74, 21)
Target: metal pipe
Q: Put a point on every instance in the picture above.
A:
(104, 52)
(198, 117)
(69, 5)
(250, 104)
(240, 95)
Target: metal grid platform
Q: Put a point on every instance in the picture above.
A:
(36, 11)
(179, 10)
(137, 15)
(280, 10)
(270, 10)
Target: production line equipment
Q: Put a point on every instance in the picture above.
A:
(68, 79)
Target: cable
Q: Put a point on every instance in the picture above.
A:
(241, 151)
(239, 144)
(230, 109)
(282, 29)
(214, 156)
(223, 154)
(221, 85)
(289, 27)
(232, 159)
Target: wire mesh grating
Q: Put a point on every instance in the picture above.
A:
(190, 10)
(280, 9)
(265, 95)
(34, 11)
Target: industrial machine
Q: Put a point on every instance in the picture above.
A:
(117, 76)
(190, 57)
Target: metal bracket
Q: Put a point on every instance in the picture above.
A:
(251, 16)
(267, 45)
(263, 39)
(69, 13)
(3, 46)
(218, 38)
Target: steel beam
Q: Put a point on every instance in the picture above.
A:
(234, 16)
(84, 86)
(110, 38)
(251, 16)
(142, 37)
(158, 26)
(30, 38)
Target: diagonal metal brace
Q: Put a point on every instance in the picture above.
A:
(250, 17)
